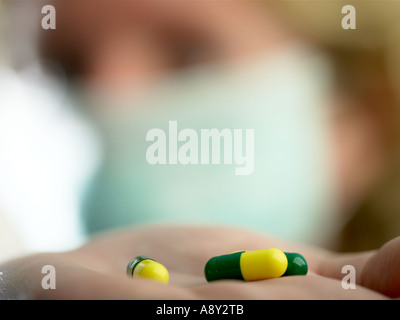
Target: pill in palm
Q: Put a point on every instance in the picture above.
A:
(255, 265)
(148, 268)
(247, 265)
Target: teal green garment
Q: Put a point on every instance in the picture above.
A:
(283, 98)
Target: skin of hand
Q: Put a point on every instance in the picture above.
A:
(97, 269)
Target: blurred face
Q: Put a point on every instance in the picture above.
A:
(131, 45)
(120, 43)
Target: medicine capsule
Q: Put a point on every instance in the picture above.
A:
(247, 265)
(297, 265)
(147, 268)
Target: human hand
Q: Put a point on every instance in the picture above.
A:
(97, 270)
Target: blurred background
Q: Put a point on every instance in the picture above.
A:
(76, 103)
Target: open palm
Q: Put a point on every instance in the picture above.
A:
(97, 270)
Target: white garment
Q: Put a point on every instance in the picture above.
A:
(10, 240)
(46, 154)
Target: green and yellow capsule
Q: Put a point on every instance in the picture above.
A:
(148, 268)
(247, 265)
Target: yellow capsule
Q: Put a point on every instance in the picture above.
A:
(148, 268)
(263, 264)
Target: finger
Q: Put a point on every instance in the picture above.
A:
(382, 270)
(329, 264)
(376, 269)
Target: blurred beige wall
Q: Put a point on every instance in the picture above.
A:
(378, 25)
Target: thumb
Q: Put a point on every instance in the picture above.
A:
(382, 271)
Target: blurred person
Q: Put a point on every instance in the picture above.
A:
(226, 65)
(318, 108)
(216, 65)
(204, 65)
